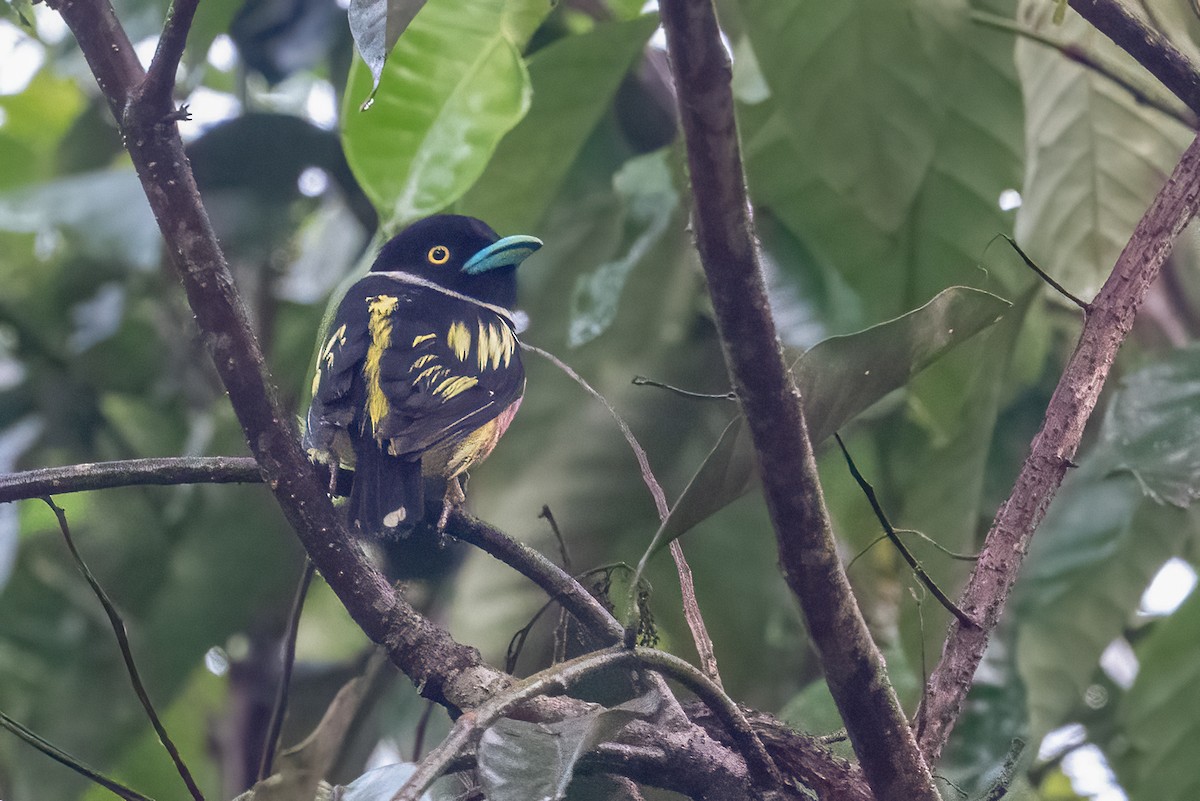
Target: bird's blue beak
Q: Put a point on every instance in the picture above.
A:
(507, 252)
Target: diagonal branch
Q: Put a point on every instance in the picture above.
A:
(852, 663)
(160, 78)
(122, 635)
(447, 671)
(1108, 321)
(1151, 49)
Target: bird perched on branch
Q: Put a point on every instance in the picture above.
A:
(419, 373)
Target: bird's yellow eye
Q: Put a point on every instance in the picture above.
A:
(438, 254)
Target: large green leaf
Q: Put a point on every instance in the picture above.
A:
(1161, 713)
(889, 133)
(838, 379)
(454, 85)
(574, 80)
(1099, 547)
(1095, 155)
(519, 760)
(376, 26)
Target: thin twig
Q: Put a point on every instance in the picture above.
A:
(279, 708)
(160, 77)
(62, 757)
(642, 381)
(548, 516)
(691, 607)
(656, 490)
(422, 726)
(132, 472)
(561, 631)
(691, 614)
(899, 545)
(1085, 59)
(961, 557)
(516, 643)
(1059, 288)
(118, 627)
(1008, 771)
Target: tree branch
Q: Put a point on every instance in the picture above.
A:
(160, 78)
(852, 663)
(1151, 49)
(134, 472)
(1082, 57)
(553, 580)
(1108, 322)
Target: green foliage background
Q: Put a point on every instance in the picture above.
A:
(878, 138)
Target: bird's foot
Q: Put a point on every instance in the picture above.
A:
(453, 498)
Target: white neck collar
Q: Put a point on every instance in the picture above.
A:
(513, 317)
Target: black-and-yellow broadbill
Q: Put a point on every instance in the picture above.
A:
(420, 371)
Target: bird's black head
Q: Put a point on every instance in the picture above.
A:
(459, 253)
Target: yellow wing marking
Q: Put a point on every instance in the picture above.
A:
(421, 362)
(423, 338)
(495, 345)
(458, 339)
(455, 385)
(510, 344)
(429, 374)
(380, 308)
(325, 356)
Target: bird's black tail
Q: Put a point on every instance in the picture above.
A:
(387, 497)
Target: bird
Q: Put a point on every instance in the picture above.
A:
(419, 372)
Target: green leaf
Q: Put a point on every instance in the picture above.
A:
(649, 199)
(865, 100)
(842, 376)
(839, 378)
(1161, 713)
(1096, 156)
(1098, 549)
(376, 26)
(1152, 428)
(886, 161)
(574, 80)
(520, 760)
(453, 86)
(23, 11)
